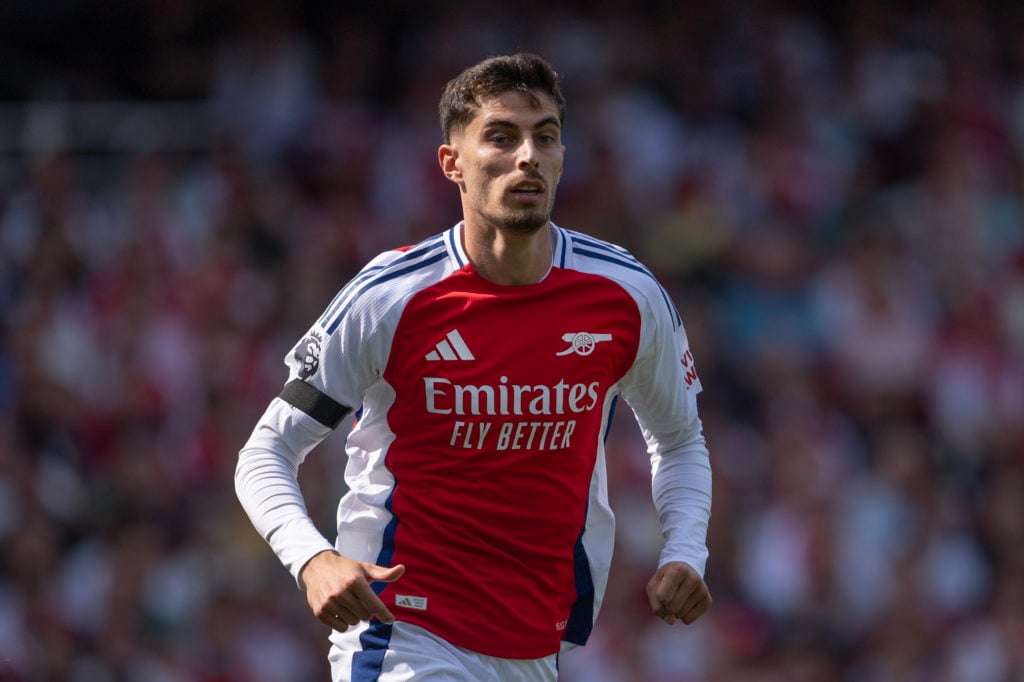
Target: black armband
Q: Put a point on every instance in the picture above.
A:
(317, 405)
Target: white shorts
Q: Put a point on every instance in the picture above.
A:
(374, 652)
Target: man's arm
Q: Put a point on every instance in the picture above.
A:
(266, 481)
(681, 489)
(681, 486)
(662, 389)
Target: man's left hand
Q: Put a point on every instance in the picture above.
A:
(677, 592)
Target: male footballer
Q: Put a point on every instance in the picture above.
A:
(483, 366)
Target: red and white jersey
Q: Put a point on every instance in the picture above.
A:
(477, 457)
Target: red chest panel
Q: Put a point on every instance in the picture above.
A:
(500, 397)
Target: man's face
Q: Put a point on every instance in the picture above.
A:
(507, 162)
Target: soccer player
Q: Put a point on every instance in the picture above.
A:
(483, 366)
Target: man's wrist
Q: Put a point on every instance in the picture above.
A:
(302, 571)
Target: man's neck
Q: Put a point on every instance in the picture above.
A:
(508, 258)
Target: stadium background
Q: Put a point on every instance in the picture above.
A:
(831, 191)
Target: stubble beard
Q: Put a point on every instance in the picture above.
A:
(525, 223)
(520, 222)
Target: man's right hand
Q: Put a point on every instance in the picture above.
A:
(338, 589)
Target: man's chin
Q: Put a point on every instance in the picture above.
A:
(525, 223)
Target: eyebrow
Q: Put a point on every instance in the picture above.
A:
(502, 123)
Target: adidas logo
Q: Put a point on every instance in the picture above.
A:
(451, 347)
(410, 602)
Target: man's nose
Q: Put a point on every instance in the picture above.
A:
(527, 154)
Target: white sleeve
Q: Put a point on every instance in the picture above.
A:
(341, 355)
(662, 388)
(266, 482)
(681, 483)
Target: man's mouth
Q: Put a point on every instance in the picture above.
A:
(528, 189)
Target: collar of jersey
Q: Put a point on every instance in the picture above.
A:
(458, 251)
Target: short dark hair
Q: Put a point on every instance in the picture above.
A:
(523, 72)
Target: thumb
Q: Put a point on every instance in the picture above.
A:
(385, 575)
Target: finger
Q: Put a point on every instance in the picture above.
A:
(664, 589)
(338, 618)
(380, 574)
(675, 588)
(372, 604)
(697, 596)
(660, 610)
(352, 604)
(384, 575)
(686, 596)
(653, 594)
(697, 610)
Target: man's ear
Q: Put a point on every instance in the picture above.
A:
(448, 157)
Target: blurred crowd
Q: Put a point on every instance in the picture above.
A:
(833, 194)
